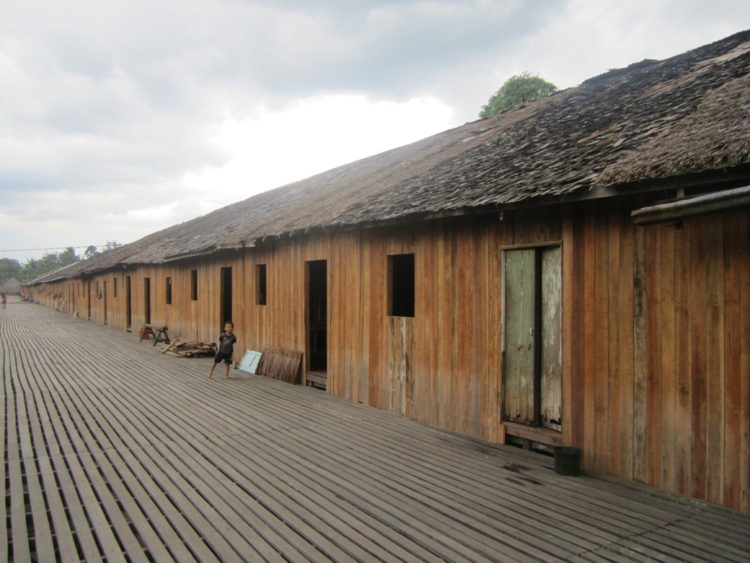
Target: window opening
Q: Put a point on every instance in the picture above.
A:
(401, 288)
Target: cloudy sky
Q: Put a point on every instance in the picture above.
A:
(118, 118)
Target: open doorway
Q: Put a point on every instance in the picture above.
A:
(226, 296)
(317, 322)
(147, 300)
(128, 304)
(88, 299)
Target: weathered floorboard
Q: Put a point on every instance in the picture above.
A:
(117, 452)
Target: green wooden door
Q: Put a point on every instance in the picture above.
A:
(532, 351)
(518, 370)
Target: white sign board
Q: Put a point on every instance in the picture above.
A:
(249, 361)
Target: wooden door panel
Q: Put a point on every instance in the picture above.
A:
(551, 342)
(519, 302)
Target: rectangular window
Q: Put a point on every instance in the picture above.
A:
(401, 288)
(168, 291)
(114, 287)
(532, 330)
(194, 285)
(260, 284)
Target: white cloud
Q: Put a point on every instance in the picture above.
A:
(271, 149)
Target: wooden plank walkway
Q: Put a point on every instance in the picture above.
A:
(115, 452)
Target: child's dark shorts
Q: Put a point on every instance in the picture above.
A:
(227, 358)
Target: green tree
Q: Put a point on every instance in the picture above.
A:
(90, 252)
(518, 89)
(66, 257)
(33, 268)
(9, 268)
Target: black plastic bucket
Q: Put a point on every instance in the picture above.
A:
(567, 460)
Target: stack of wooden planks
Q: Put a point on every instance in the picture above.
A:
(280, 363)
(184, 349)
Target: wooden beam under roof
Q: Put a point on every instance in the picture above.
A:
(692, 206)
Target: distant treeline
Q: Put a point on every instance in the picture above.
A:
(33, 268)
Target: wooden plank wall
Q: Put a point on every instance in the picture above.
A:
(695, 375)
(656, 331)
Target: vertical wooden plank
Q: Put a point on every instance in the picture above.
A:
(640, 360)
(733, 236)
(490, 343)
(715, 358)
(438, 329)
(682, 408)
(589, 338)
(600, 342)
(653, 355)
(445, 327)
(337, 383)
(744, 390)
(343, 305)
(578, 374)
(666, 336)
(240, 296)
(615, 327)
(424, 306)
(477, 288)
(407, 334)
(625, 314)
(376, 348)
(462, 305)
(551, 353)
(698, 361)
(363, 258)
(570, 338)
(349, 299)
(519, 303)
(456, 341)
(395, 372)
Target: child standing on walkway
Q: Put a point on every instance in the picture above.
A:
(226, 349)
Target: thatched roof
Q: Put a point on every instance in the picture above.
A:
(651, 121)
(62, 273)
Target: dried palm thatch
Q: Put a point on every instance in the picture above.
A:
(280, 363)
(651, 121)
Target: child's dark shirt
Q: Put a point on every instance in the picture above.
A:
(226, 343)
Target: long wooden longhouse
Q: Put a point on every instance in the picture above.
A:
(572, 272)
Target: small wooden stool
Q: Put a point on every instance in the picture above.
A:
(159, 333)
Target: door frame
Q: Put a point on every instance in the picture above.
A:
(147, 300)
(536, 425)
(226, 275)
(128, 304)
(308, 332)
